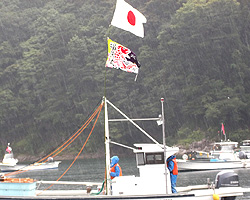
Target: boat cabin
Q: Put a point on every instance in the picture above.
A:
(151, 164)
(244, 149)
(245, 145)
(224, 150)
(8, 158)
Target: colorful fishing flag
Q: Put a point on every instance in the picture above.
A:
(128, 18)
(223, 129)
(120, 57)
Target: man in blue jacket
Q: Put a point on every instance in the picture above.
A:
(173, 169)
(115, 169)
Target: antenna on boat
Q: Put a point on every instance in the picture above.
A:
(164, 141)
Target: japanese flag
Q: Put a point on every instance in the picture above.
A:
(128, 18)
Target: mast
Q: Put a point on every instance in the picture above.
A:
(164, 142)
(131, 121)
(160, 120)
(107, 149)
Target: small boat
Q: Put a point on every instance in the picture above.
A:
(35, 166)
(223, 156)
(225, 150)
(8, 160)
(9, 163)
(153, 181)
(50, 164)
(244, 149)
(196, 155)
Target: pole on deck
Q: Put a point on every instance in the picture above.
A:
(164, 142)
(107, 149)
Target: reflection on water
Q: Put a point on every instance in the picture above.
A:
(92, 170)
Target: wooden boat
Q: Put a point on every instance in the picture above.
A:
(153, 181)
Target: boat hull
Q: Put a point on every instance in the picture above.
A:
(198, 195)
(10, 168)
(36, 166)
(188, 165)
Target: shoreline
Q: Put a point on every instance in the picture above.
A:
(203, 145)
(32, 158)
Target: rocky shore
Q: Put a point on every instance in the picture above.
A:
(32, 158)
(203, 145)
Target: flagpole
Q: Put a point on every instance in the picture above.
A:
(136, 77)
(105, 77)
(225, 133)
(221, 136)
(105, 81)
(106, 135)
(107, 149)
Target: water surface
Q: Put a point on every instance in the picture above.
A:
(92, 170)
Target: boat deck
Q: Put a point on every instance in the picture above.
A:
(66, 195)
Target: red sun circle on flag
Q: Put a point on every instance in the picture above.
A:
(131, 18)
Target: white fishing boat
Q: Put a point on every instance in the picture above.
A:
(8, 160)
(245, 150)
(43, 166)
(225, 150)
(196, 155)
(223, 156)
(9, 163)
(153, 181)
(35, 166)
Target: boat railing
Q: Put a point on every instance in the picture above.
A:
(70, 183)
(90, 187)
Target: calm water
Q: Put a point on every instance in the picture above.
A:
(93, 170)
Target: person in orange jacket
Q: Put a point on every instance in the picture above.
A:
(115, 169)
(173, 169)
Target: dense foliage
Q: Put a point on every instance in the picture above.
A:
(195, 54)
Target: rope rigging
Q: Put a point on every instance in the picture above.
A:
(98, 111)
(66, 144)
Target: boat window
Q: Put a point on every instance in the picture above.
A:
(154, 158)
(224, 147)
(246, 143)
(228, 148)
(140, 159)
(217, 147)
(158, 159)
(150, 159)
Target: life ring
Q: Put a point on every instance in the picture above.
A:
(185, 157)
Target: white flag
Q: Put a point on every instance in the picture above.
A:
(128, 18)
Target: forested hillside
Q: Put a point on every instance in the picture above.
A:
(195, 54)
